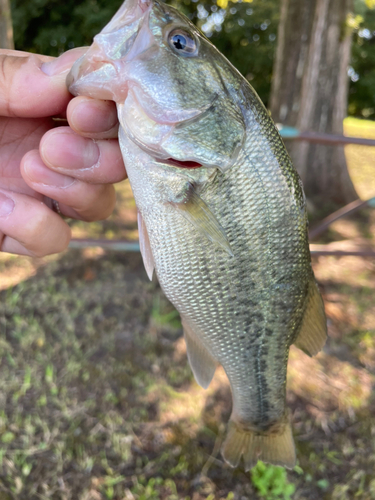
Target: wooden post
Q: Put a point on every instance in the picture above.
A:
(6, 27)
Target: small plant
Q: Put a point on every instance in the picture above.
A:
(271, 482)
(155, 489)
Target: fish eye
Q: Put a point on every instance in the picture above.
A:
(182, 42)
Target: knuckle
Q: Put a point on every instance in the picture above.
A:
(101, 205)
(46, 235)
(9, 66)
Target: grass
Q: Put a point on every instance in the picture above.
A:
(360, 159)
(97, 400)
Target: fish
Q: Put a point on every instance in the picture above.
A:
(221, 213)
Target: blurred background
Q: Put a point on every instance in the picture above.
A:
(97, 400)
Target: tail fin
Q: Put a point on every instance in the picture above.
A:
(275, 448)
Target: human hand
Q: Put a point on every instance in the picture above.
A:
(76, 165)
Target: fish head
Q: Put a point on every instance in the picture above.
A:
(177, 95)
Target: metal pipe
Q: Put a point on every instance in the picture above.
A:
(342, 212)
(117, 245)
(343, 253)
(286, 133)
(133, 246)
(291, 133)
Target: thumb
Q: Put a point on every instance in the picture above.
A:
(32, 88)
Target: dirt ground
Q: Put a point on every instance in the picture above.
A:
(97, 400)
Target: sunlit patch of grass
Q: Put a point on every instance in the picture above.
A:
(122, 224)
(361, 159)
(14, 268)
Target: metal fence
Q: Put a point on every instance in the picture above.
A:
(289, 133)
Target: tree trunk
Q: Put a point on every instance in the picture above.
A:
(6, 28)
(310, 91)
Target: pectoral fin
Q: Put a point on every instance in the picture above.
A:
(313, 333)
(195, 210)
(145, 247)
(202, 363)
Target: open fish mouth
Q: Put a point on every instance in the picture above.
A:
(152, 128)
(181, 164)
(114, 43)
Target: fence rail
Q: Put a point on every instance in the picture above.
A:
(289, 133)
(133, 246)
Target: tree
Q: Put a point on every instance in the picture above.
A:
(310, 90)
(362, 70)
(6, 28)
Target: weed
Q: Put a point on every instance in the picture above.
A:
(152, 490)
(271, 482)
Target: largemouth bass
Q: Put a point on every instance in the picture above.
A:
(222, 217)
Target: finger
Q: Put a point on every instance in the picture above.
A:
(18, 136)
(93, 118)
(22, 53)
(77, 199)
(93, 161)
(30, 227)
(32, 87)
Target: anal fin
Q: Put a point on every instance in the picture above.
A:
(313, 332)
(202, 363)
(145, 247)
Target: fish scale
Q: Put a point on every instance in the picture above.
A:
(227, 238)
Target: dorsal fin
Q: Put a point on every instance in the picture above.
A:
(313, 332)
(202, 363)
(145, 247)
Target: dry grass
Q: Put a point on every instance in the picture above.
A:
(97, 401)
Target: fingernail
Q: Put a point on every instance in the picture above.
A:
(40, 174)
(69, 151)
(6, 205)
(62, 63)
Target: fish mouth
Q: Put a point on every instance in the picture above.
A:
(100, 62)
(149, 127)
(181, 164)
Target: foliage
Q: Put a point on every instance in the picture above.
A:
(246, 34)
(52, 27)
(271, 482)
(362, 71)
(244, 30)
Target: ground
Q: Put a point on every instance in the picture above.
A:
(97, 400)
